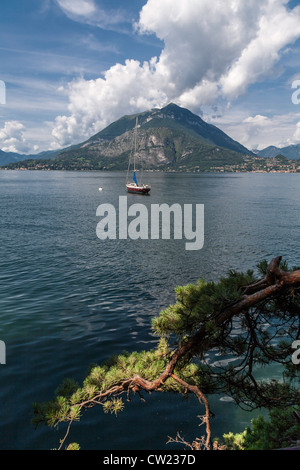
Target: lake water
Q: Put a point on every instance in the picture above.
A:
(68, 299)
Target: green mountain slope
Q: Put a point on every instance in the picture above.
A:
(159, 148)
(175, 118)
(291, 151)
(168, 138)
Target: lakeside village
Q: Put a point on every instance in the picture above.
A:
(250, 164)
(278, 164)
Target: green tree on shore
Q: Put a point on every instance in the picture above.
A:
(255, 319)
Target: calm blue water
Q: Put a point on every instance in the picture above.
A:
(68, 299)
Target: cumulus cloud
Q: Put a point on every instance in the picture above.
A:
(277, 28)
(95, 103)
(12, 137)
(296, 135)
(212, 51)
(259, 131)
(202, 39)
(253, 128)
(279, 128)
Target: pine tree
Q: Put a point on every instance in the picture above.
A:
(254, 320)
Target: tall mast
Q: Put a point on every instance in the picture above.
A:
(135, 140)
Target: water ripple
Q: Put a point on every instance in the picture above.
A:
(68, 299)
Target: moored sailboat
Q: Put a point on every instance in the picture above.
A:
(136, 186)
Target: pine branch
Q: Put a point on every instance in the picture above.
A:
(164, 369)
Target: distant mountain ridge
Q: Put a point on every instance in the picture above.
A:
(12, 157)
(168, 138)
(9, 157)
(291, 151)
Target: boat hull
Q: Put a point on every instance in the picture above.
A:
(143, 189)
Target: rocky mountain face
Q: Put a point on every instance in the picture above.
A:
(174, 118)
(167, 138)
(171, 137)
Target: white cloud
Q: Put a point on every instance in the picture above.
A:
(212, 51)
(202, 39)
(257, 120)
(277, 28)
(253, 128)
(259, 131)
(78, 7)
(296, 135)
(96, 103)
(87, 11)
(12, 137)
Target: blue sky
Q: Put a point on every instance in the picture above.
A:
(73, 66)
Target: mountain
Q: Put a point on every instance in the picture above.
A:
(175, 118)
(269, 152)
(168, 138)
(12, 157)
(291, 151)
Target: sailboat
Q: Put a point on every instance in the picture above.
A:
(136, 186)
